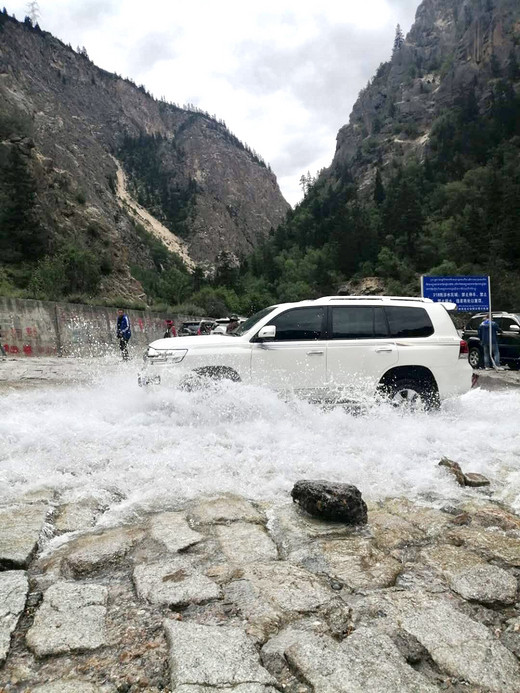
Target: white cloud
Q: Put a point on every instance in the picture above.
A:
(282, 74)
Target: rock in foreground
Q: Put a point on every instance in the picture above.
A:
(331, 501)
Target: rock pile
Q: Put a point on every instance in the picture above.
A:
(224, 593)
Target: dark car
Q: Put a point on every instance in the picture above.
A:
(190, 328)
(508, 339)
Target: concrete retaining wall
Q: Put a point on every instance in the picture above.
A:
(38, 328)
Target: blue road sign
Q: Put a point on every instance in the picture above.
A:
(469, 293)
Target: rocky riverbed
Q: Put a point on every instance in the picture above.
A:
(225, 593)
(104, 588)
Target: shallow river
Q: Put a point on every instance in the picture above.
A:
(102, 435)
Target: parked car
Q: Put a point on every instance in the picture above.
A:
(195, 327)
(404, 349)
(508, 339)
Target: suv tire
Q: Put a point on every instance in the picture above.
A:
(413, 394)
(201, 378)
(475, 357)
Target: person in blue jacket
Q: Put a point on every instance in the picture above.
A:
(483, 334)
(123, 332)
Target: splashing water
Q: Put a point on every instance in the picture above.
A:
(104, 436)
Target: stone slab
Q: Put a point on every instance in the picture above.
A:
(21, 526)
(79, 515)
(365, 661)
(14, 587)
(359, 563)
(173, 531)
(487, 584)
(174, 583)
(224, 509)
(243, 542)
(93, 552)
(270, 594)
(460, 646)
(492, 543)
(71, 618)
(218, 656)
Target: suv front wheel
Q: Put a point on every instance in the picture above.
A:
(474, 357)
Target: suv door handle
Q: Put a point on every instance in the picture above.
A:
(315, 353)
(380, 349)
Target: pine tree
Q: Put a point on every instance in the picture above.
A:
(398, 40)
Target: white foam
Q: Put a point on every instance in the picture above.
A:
(108, 437)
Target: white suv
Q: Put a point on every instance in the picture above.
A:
(343, 348)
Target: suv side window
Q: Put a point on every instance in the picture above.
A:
(407, 321)
(474, 323)
(299, 324)
(505, 323)
(358, 322)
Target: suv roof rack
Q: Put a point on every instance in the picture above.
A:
(378, 298)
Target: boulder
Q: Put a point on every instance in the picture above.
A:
(331, 501)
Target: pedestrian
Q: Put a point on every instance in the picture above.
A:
(2, 350)
(123, 332)
(483, 334)
(232, 324)
(170, 329)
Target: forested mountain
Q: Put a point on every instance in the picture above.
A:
(108, 193)
(426, 175)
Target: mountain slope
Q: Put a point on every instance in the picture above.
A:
(426, 174)
(63, 121)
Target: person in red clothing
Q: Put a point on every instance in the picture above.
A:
(170, 329)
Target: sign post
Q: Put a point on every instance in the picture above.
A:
(472, 293)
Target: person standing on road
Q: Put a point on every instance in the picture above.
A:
(170, 329)
(123, 332)
(232, 324)
(2, 350)
(483, 334)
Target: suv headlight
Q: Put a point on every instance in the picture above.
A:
(172, 355)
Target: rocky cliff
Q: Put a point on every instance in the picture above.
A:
(71, 125)
(454, 47)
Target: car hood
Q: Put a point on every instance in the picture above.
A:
(193, 342)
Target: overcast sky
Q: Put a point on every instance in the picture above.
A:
(282, 74)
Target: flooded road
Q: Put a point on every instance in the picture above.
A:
(84, 428)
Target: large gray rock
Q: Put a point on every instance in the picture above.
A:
(216, 656)
(365, 661)
(13, 593)
(331, 501)
(71, 618)
(243, 542)
(487, 584)
(174, 583)
(21, 526)
(172, 530)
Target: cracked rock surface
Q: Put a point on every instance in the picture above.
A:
(230, 595)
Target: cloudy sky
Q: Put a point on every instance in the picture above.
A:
(282, 74)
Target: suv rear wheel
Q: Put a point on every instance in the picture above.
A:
(413, 394)
(475, 357)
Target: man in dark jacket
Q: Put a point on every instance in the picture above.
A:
(123, 332)
(483, 334)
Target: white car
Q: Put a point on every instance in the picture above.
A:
(344, 348)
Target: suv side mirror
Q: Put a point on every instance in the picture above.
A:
(513, 328)
(267, 332)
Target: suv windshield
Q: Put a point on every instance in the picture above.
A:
(248, 324)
